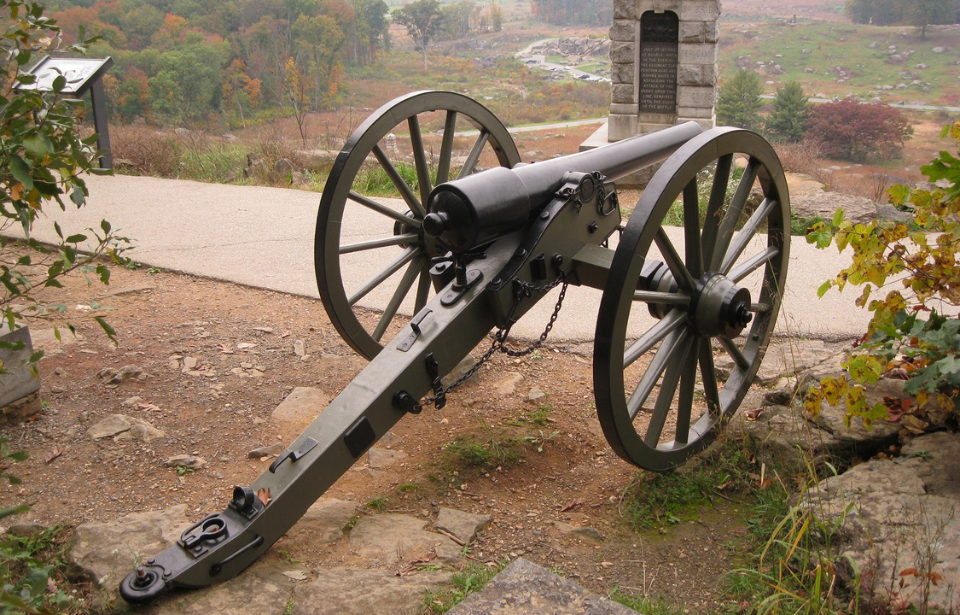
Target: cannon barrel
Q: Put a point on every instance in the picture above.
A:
(474, 210)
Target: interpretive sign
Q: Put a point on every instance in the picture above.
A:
(659, 57)
(81, 75)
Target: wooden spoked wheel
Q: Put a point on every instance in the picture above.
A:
(676, 296)
(371, 255)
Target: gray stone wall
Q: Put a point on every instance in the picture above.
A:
(696, 72)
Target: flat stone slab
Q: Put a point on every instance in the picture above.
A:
(463, 525)
(524, 587)
(262, 588)
(390, 539)
(353, 591)
(107, 552)
(301, 407)
(325, 521)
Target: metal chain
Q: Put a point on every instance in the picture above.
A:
(524, 289)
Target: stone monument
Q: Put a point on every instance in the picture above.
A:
(663, 56)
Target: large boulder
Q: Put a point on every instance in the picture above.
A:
(893, 540)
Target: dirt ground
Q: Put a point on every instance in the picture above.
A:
(243, 341)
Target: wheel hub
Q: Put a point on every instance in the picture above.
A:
(720, 307)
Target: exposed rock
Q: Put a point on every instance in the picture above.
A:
(349, 591)
(536, 394)
(461, 524)
(112, 376)
(507, 385)
(890, 526)
(379, 458)
(524, 587)
(782, 359)
(391, 538)
(934, 458)
(262, 588)
(106, 552)
(889, 212)
(46, 340)
(785, 435)
(855, 208)
(325, 521)
(116, 424)
(189, 462)
(459, 371)
(301, 406)
(265, 451)
(141, 431)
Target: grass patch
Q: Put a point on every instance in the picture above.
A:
(472, 453)
(648, 606)
(378, 504)
(470, 579)
(841, 52)
(668, 498)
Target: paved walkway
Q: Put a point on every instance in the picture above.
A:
(263, 237)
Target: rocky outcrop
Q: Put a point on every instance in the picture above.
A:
(898, 528)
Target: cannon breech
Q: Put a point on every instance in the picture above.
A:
(474, 253)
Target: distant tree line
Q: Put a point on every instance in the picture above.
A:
(573, 12)
(843, 129)
(192, 61)
(920, 13)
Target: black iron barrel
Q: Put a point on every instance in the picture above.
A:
(479, 208)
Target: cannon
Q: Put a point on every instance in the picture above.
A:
(416, 283)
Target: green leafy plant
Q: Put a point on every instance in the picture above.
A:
(42, 159)
(906, 332)
(378, 504)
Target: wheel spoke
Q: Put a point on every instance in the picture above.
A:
(688, 378)
(383, 209)
(732, 215)
(691, 228)
(747, 233)
(446, 147)
(709, 374)
(734, 352)
(657, 365)
(406, 283)
(393, 267)
(470, 164)
(419, 157)
(656, 333)
(398, 182)
(672, 259)
(752, 264)
(718, 194)
(423, 288)
(665, 396)
(652, 296)
(373, 244)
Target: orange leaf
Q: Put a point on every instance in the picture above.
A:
(264, 496)
(907, 571)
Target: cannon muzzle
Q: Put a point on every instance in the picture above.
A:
(477, 209)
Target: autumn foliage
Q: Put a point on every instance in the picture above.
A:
(858, 132)
(914, 332)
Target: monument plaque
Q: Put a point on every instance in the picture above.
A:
(659, 55)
